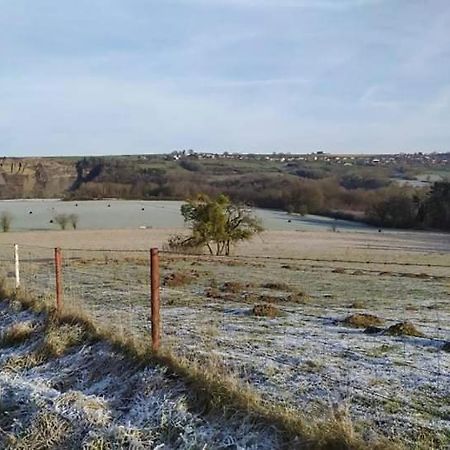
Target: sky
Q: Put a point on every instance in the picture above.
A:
(91, 77)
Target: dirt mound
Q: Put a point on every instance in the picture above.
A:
(362, 320)
(175, 279)
(265, 310)
(404, 329)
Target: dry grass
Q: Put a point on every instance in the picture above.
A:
(211, 389)
(17, 334)
(46, 431)
(265, 310)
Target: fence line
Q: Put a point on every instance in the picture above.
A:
(127, 293)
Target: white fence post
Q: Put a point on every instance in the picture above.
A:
(17, 265)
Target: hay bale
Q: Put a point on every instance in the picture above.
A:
(362, 320)
(265, 310)
(404, 329)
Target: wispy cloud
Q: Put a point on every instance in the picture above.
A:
(247, 75)
(305, 4)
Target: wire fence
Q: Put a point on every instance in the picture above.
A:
(308, 333)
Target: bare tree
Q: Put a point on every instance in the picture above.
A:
(73, 219)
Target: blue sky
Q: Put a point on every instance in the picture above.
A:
(147, 76)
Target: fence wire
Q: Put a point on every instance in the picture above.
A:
(311, 334)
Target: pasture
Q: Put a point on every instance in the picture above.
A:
(321, 322)
(38, 215)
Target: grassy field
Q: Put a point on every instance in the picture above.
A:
(289, 314)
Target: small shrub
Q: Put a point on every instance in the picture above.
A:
(62, 220)
(446, 347)
(5, 221)
(16, 334)
(363, 320)
(404, 329)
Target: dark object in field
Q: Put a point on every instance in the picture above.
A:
(446, 347)
(109, 206)
(178, 279)
(362, 320)
(142, 209)
(357, 272)
(338, 270)
(264, 310)
(76, 204)
(404, 329)
(373, 330)
(276, 286)
(30, 212)
(415, 275)
(51, 220)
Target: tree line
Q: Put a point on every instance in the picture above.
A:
(369, 196)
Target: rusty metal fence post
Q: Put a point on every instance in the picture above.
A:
(58, 280)
(155, 299)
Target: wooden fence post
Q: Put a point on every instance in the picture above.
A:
(58, 280)
(17, 265)
(155, 299)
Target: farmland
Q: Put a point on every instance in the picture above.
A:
(308, 351)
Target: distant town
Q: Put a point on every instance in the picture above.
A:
(420, 158)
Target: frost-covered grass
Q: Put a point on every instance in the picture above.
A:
(95, 391)
(305, 358)
(91, 396)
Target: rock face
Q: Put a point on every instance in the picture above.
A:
(35, 177)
